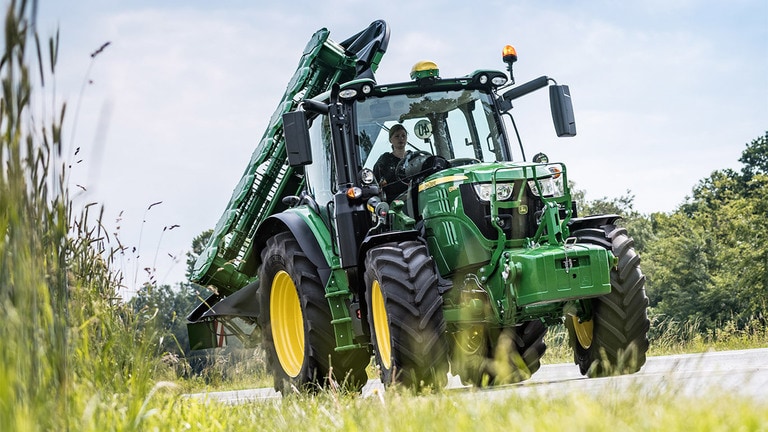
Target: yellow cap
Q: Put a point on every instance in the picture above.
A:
(424, 69)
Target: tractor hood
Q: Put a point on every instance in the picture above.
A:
(491, 172)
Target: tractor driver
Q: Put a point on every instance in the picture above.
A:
(384, 168)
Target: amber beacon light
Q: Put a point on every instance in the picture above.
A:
(509, 55)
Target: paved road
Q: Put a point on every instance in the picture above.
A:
(741, 372)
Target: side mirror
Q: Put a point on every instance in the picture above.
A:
(297, 142)
(562, 110)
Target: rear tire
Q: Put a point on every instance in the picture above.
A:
(296, 321)
(406, 316)
(615, 340)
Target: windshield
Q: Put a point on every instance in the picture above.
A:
(457, 125)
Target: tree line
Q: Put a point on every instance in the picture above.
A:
(706, 262)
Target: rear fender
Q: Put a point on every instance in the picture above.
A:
(243, 302)
(595, 221)
(308, 229)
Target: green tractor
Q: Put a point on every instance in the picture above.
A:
(458, 262)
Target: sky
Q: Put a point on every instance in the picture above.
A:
(161, 123)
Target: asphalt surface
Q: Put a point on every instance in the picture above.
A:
(742, 372)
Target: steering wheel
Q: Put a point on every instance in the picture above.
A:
(411, 164)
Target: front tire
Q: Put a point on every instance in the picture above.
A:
(615, 339)
(296, 322)
(514, 357)
(406, 316)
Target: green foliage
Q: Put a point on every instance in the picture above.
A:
(755, 158)
(198, 245)
(162, 312)
(34, 291)
(709, 261)
(165, 309)
(71, 352)
(680, 259)
(527, 410)
(706, 262)
(672, 337)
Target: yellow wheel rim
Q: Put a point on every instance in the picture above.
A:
(381, 325)
(583, 331)
(471, 340)
(287, 323)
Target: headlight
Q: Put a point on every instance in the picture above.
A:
(549, 186)
(367, 177)
(485, 190)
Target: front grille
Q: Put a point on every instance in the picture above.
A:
(516, 225)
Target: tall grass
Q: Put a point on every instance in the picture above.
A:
(34, 288)
(72, 357)
(401, 411)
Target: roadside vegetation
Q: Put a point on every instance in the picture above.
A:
(76, 356)
(401, 411)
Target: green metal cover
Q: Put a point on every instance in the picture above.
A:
(556, 274)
